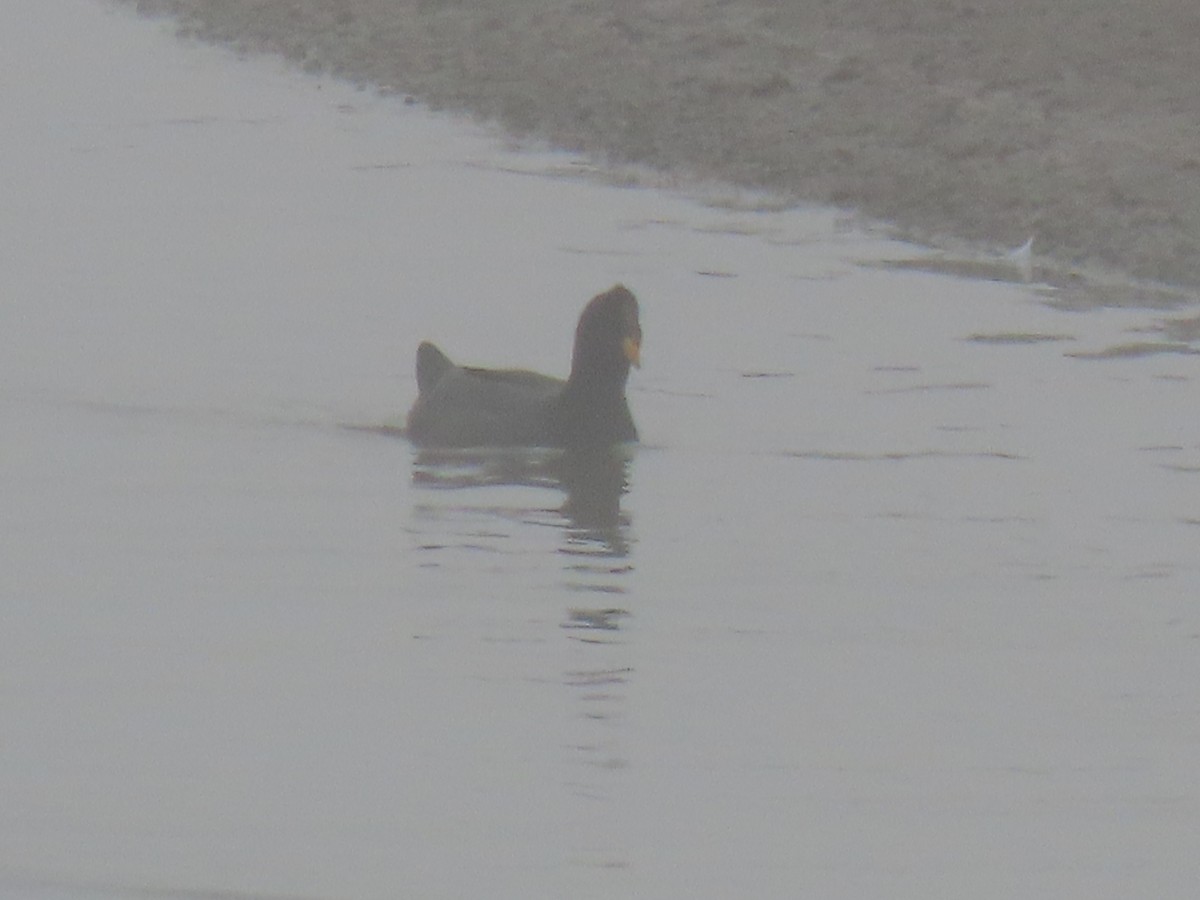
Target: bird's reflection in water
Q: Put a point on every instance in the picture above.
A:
(592, 483)
(502, 489)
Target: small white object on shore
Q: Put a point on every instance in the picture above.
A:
(1022, 258)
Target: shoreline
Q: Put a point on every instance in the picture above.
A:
(954, 122)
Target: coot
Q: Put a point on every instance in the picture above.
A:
(460, 406)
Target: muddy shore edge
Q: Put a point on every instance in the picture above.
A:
(986, 121)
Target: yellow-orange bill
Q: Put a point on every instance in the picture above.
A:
(633, 351)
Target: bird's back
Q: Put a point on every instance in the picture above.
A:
(471, 407)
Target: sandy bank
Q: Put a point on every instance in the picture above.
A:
(991, 120)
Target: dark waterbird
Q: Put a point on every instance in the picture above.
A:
(461, 406)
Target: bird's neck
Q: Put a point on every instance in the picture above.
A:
(596, 389)
(598, 375)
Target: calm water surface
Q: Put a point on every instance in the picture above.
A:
(897, 597)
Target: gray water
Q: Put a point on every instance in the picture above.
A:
(897, 597)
